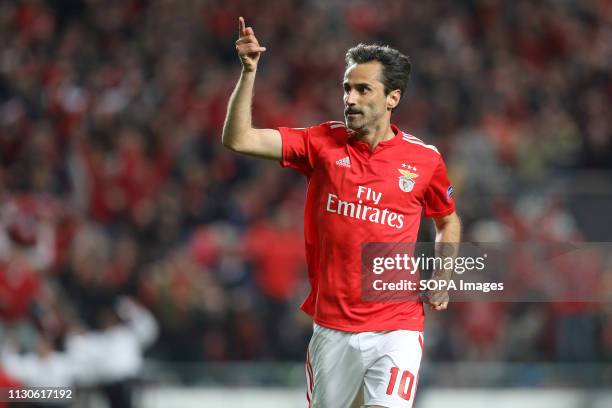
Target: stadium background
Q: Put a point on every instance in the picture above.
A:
(113, 182)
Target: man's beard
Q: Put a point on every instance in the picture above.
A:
(356, 122)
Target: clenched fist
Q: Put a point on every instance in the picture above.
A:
(248, 47)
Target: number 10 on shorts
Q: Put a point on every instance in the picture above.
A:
(404, 390)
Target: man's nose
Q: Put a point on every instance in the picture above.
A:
(350, 98)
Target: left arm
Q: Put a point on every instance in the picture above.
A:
(448, 236)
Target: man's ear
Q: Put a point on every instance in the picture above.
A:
(393, 99)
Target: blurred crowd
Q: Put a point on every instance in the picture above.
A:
(113, 180)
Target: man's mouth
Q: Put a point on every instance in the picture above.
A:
(352, 113)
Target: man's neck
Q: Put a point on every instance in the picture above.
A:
(376, 135)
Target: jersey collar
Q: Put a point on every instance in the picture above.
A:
(394, 140)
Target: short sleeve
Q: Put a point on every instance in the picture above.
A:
(438, 199)
(297, 153)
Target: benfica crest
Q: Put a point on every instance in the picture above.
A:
(406, 180)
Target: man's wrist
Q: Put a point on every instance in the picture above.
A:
(249, 71)
(440, 295)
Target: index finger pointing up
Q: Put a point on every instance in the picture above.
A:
(241, 30)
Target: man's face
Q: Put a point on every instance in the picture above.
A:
(365, 102)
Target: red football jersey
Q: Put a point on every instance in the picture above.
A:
(355, 196)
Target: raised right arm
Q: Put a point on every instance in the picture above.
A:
(238, 132)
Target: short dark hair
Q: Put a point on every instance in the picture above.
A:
(396, 66)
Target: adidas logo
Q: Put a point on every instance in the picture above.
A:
(344, 162)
